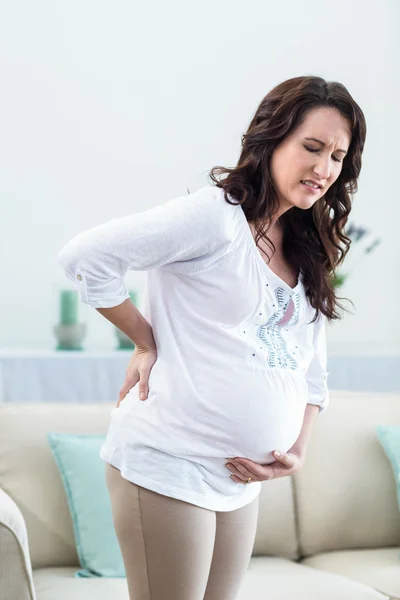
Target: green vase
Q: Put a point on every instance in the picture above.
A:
(124, 342)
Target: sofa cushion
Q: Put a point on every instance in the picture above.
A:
(60, 583)
(82, 472)
(267, 577)
(389, 437)
(377, 568)
(345, 492)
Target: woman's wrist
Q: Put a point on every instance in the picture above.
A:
(130, 321)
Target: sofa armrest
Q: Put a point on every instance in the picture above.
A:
(15, 564)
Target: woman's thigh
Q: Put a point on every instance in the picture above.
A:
(234, 542)
(166, 544)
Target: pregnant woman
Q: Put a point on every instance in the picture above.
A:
(229, 370)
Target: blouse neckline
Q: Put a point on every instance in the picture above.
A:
(263, 265)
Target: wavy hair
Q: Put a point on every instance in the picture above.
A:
(311, 238)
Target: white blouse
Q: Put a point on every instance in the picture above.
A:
(237, 357)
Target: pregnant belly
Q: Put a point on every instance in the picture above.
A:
(249, 417)
(261, 414)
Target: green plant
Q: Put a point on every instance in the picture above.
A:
(361, 244)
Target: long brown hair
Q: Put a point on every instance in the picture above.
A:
(312, 237)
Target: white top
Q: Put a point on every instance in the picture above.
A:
(237, 358)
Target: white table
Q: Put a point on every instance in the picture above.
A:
(62, 376)
(70, 376)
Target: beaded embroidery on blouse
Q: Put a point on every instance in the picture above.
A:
(286, 314)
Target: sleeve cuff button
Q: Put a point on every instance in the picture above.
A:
(79, 277)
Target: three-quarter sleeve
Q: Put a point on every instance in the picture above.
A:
(316, 374)
(181, 229)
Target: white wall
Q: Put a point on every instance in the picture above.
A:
(109, 108)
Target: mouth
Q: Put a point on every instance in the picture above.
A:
(310, 188)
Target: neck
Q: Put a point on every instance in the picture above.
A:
(274, 231)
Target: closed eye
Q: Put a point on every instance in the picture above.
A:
(311, 150)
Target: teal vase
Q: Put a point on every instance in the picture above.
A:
(124, 342)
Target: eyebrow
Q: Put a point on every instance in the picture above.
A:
(321, 142)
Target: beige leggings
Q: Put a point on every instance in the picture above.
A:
(174, 550)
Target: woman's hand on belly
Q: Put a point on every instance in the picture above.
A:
(287, 463)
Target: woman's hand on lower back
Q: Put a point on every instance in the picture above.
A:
(138, 371)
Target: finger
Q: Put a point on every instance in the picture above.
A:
(247, 468)
(283, 458)
(236, 474)
(128, 385)
(144, 385)
(238, 479)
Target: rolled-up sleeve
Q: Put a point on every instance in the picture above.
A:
(181, 229)
(317, 375)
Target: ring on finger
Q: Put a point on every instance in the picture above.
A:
(244, 476)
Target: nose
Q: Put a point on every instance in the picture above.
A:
(322, 169)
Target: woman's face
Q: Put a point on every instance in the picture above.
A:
(297, 158)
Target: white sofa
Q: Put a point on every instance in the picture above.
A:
(331, 532)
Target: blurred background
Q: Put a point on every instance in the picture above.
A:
(112, 108)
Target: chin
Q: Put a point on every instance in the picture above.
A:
(308, 202)
(304, 205)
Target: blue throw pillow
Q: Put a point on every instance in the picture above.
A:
(82, 472)
(389, 437)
